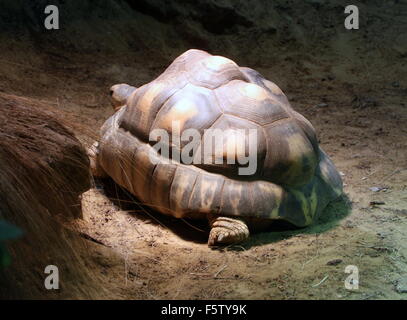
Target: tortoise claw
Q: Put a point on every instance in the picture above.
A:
(96, 169)
(226, 231)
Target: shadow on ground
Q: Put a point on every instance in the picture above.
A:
(187, 229)
(329, 219)
(198, 230)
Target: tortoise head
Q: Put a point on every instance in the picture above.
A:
(119, 94)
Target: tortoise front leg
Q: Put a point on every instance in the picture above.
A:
(226, 230)
(95, 168)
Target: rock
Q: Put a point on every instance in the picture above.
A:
(383, 235)
(376, 203)
(401, 286)
(377, 189)
(395, 84)
(364, 102)
(321, 105)
(334, 262)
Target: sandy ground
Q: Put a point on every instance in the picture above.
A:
(142, 254)
(168, 258)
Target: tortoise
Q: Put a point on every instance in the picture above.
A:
(294, 178)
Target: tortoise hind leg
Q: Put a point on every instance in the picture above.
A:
(226, 230)
(95, 168)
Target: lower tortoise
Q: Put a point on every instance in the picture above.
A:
(293, 181)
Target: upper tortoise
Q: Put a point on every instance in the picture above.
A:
(294, 179)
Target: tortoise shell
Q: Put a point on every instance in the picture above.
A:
(294, 179)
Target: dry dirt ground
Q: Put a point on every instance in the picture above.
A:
(360, 124)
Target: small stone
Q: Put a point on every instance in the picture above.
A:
(382, 235)
(395, 84)
(349, 224)
(377, 203)
(334, 262)
(401, 286)
(321, 105)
